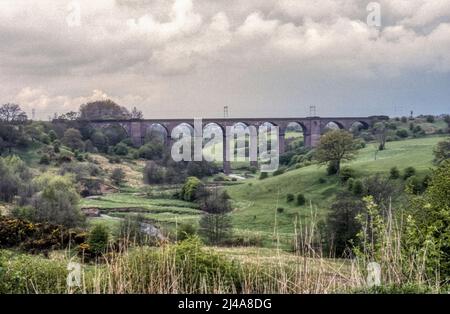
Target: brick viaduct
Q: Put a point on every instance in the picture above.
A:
(313, 127)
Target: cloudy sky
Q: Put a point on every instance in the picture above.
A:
(186, 58)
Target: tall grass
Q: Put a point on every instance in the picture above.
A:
(191, 267)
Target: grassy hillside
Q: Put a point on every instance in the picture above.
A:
(256, 201)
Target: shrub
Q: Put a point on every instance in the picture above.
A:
(190, 189)
(404, 119)
(430, 119)
(414, 185)
(402, 133)
(52, 135)
(279, 171)
(45, 139)
(280, 210)
(346, 173)
(394, 173)
(36, 237)
(153, 173)
(350, 183)
(118, 176)
(186, 231)
(57, 202)
(358, 187)
(198, 265)
(322, 180)
(45, 159)
(263, 175)
(151, 151)
(408, 172)
(301, 200)
(98, 239)
(341, 226)
(332, 168)
(121, 149)
(290, 197)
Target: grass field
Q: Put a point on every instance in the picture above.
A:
(256, 201)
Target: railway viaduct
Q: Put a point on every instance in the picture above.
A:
(313, 127)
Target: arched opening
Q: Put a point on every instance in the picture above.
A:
(156, 133)
(114, 133)
(184, 139)
(294, 136)
(332, 125)
(213, 142)
(268, 132)
(240, 142)
(357, 127)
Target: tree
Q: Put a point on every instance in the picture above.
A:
(53, 136)
(381, 188)
(153, 173)
(72, 139)
(136, 114)
(432, 215)
(341, 227)
(57, 201)
(12, 113)
(98, 239)
(336, 146)
(118, 176)
(121, 149)
(103, 110)
(215, 224)
(380, 132)
(100, 141)
(190, 189)
(442, 151)
(394, 173)
(9, 182)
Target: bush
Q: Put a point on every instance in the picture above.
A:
(332, 169)
(394, 173)
(430, 119)
(98, 239)
(263, 175)
(118, 176)
(402, 133)
(199, 265)
(346, 173)
(279, 171)
(290, 197)
(341, 227)
(151, 151)
(409, 172)
(301, 200)
(414, 185)
(121, 149)
(322, 180)
(153, 173)
(190, 189)
(186, 231)
(57, 202)
(280, 210)
(36, 237)
(357, 187)
(45, 159)
(52, 135)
